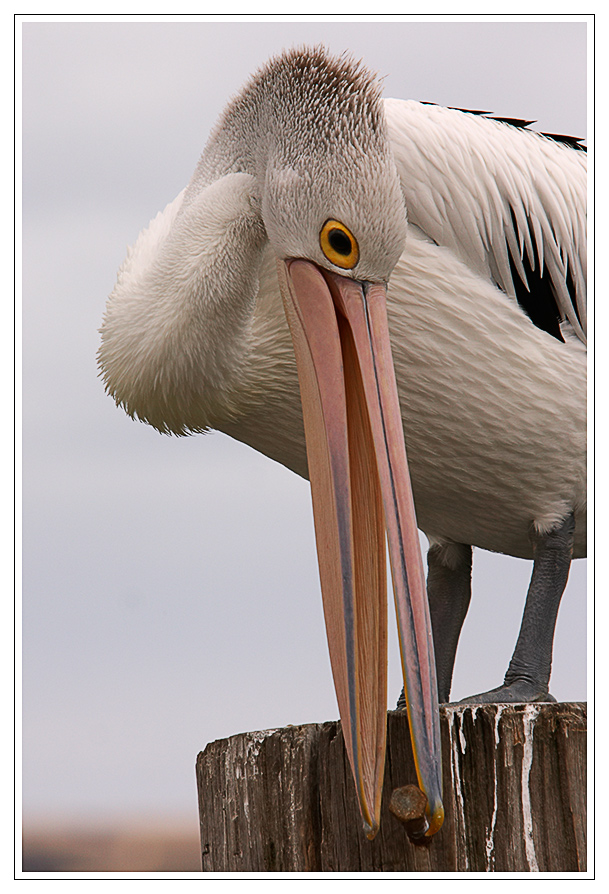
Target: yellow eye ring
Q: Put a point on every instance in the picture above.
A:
(339, 244)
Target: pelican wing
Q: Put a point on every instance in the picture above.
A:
(511, 204)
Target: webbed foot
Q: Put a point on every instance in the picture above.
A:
(516, 692)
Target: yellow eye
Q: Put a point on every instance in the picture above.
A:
(339, 244)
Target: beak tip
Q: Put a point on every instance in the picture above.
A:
(371, 830)
(435, 820)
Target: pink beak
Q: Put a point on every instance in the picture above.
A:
(361, 493)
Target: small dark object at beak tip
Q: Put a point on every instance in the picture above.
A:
(408, 805)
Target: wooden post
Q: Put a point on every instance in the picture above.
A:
(514, 794)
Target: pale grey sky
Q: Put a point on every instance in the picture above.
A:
(170, 590)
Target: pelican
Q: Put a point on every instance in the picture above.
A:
(388, 297)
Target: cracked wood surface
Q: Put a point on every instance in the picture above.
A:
(514, 794)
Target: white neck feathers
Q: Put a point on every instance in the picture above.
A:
(175, 332)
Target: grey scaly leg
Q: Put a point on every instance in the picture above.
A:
(528, 675)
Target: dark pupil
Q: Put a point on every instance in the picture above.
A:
(340, 242)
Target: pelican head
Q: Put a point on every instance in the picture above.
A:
(311, 130)
(300, 166)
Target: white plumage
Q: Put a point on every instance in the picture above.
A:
(467, 179)
(493, 407)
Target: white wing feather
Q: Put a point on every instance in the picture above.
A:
(490, 191)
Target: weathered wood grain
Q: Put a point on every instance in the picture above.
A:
(514, 794)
